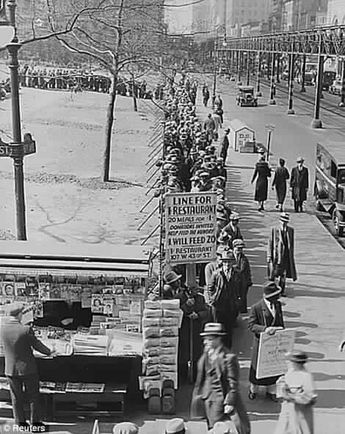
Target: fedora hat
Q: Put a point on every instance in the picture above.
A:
(284, 217)
(271, 289)
(228, 255)
(234, 216)
(300, 160)
(213, 329)
(238, 243)
(221, 428)
(297, 356)
(125, 428)
(171, 277)
(175, 426)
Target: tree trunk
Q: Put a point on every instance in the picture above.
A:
(135, 103)
(108, 130)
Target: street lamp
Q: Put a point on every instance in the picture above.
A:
(17, 149)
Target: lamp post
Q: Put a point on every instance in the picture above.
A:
(17, 149)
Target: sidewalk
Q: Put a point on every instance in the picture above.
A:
(314, 305)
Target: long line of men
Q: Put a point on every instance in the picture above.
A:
(191, 163)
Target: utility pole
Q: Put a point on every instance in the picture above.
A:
(258, 78)
(291, 110)
(304, 59)
(316, 122)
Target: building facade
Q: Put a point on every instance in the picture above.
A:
(303, 14)
(336, 12)
(178, 16)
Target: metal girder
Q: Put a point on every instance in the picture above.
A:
(332, 40)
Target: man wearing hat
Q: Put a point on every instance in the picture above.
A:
(20, 365)
(280, 253)
(213, 266)
(223, 294)
(172, 282)
(266, 316)
(224, 146)
(216, 391)
(243, 268)
(299, 184)
(232, 229)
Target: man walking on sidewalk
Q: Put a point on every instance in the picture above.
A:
(224, 146)
(299, 184)
(280, 253)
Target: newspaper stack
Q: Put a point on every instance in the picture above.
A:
(161, 322)
(90, 345)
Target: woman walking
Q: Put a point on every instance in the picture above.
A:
(281, 175)
(262, 172)
(297, 391)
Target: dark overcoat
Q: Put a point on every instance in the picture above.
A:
(262, 172)
(281, 175)
(299, 183)
(275, 250)
(218, 382)
(259, 319)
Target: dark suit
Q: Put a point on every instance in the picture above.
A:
(223, 296)
(299, 183)
(20, 367)
(260, 318)
(217, 385)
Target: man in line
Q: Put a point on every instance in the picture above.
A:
(280, 253)
(244, 271)
(223, 294)
(266, 316)
(232, 229)
(209, 127)
(216, 393)
(299, 184)
(20, 365)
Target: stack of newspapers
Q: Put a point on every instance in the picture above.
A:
(95, 345)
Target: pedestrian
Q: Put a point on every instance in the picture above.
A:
(232, 229)
(218, 124)
(125, 428)
(18, 342)
(298, 394)
(223, 294)
(205, 95)
(262, 172)
(266, 316)
(243, 268)
(216, 393)
(299, 184)
(218, 102)
(281, 254)
(224, 146)
(281, 176)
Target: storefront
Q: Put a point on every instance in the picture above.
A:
(86, 302)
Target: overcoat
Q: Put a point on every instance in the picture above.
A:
(261, 172)
(259, 319)
(299, 183)
(281, 175)
(218, 382)
(275, 251)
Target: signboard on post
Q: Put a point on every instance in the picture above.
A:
(190, 220)
(272, 350)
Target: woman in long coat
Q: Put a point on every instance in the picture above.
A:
(281, 175)
(262, 172)
(297, 391)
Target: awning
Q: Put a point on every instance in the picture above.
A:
(25, 258)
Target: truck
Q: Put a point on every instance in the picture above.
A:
(329, 188)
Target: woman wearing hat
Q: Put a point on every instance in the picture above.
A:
(216, 392)
(261, 173)
(266, 316)
(298, 394)
(281, 175)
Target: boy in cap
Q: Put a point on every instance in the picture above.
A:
(20, 365)
(280, 252)
(266, 316)
(216, 392)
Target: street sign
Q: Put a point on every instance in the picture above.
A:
(15, 150)
(5, 150)
(190, 227)
(269, 127)
(29, 148)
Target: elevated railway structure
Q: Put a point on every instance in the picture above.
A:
(266, 54)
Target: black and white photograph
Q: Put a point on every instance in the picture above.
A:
(172, 177)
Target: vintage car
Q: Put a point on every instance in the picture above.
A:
(246, 96)
(328, 79)
(336, 87)
(329, 189)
